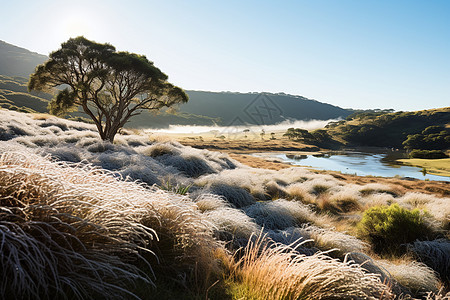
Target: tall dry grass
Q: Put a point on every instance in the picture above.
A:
(77, 231)
(272, 272)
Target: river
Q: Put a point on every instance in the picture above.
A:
(362, 163)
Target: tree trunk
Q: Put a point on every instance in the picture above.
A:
(109, 135)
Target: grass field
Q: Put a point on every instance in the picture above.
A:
(150, 218)
(433, 166)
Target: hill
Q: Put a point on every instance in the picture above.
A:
(17, 61)
(259, 108)
(203, 108)
(389, 129)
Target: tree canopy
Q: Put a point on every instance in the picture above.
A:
(110, 86)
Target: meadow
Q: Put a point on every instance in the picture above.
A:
(150, 218)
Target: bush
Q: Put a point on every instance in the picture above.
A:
(388, 228)
(428, 154)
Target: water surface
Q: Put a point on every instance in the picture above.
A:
(360, 163)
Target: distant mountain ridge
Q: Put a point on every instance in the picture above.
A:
(17, 61)
(203, 107)
(259, 108)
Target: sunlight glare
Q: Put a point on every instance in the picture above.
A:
(75, 26)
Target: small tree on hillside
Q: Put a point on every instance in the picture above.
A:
(110, 86)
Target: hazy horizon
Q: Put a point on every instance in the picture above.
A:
(239, 130)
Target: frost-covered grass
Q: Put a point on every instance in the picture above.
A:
(108, 215)
(416, 277)
(97, 235)
(435, 254)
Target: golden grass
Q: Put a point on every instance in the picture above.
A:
(267, 271)
(242, 144)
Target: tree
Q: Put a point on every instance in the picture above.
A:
(263, 132)
(110, 86)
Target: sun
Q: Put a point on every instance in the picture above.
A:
(77, 25)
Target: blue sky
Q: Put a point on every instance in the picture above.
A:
(350, 53)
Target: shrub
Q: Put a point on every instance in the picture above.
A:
(428, 154)
(387, 228)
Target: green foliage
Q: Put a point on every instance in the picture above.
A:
(368, 114)
(179, 189)
(297, 134)
(381, 129)
(388, 228)
(431, 138)
(319, 137)
(427, 154)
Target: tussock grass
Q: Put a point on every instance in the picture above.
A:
(236, 196)
(329, 239)
(46, 224)
(208, 202)
(298, 192)
(377, 188)
(280, 214)
(374, 200)
(415, 276)
(92, 221)
(280, 272)
(435, 254)
(441, 295)
(232, 224)
(99, 230)
(344, 201)
(160, 149)
(439, 208)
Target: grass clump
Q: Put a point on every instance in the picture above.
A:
(388, 228)
(267, 271)
(435, 254)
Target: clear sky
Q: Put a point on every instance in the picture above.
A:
(350, 53)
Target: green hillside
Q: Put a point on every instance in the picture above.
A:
(203, 108)
(390, 129)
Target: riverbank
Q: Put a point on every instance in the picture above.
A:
(246, 145)
(438, 188)
(440, 167)
(244, 151)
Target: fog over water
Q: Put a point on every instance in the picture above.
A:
(283, 126)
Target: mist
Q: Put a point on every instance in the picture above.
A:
(283, 126)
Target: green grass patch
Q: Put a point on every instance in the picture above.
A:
(439, 167)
